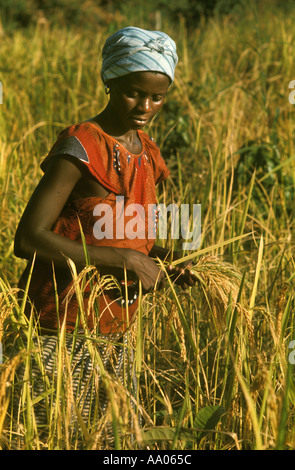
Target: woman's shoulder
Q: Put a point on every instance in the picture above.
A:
(83, 140)
(84, 128)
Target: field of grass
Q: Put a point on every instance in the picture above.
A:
(215, 364)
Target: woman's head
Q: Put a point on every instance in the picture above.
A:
(138, 68)
(137, 97)
(133, 49)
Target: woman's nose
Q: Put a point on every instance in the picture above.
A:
(145, 105)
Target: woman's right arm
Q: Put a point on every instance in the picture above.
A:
(34, 233)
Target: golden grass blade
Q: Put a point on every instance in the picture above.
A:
(180, 311)
(96, 356)
(258, 269)
(208, 249)
(251, 409)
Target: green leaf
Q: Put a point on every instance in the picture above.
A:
(206, 420)
(167, 433)
(208, 417)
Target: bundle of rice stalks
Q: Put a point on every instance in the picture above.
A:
(222, 286)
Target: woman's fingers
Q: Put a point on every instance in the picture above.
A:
(182, 276)
(153, 278)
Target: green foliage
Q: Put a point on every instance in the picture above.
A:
(176, 119)
(205, 421)
(192, 12)
(92, 14)
(265, 160)
(208, 418)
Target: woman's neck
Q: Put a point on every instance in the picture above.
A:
(111, 126)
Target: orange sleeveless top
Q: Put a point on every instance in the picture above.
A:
(126, 218)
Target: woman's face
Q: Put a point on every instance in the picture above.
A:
(136, 98)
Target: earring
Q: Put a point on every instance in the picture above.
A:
(107, 90)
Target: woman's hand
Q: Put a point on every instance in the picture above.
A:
(182, 275)
(144, 269)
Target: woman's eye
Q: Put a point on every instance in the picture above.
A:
(157, 98)
(132, 94)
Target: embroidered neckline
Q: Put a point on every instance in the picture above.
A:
(117, 154)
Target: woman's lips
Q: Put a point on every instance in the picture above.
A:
(139, 119)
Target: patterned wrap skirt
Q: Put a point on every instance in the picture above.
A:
(72, 373)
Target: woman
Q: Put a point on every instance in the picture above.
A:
(101, 167)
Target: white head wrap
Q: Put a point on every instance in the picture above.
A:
(133, 49)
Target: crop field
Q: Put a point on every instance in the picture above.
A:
(215, 364)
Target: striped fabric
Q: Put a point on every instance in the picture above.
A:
(82, 384)
(133, 49)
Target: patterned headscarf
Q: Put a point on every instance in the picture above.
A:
(133, 49)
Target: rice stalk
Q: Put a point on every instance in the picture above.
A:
(96, 356)
(219, 281)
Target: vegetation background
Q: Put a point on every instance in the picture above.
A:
(216, 363)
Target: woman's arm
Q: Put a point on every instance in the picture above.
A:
(160, 252)
(34, 230)
(34, 233)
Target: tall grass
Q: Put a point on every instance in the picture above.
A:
(212, 362)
